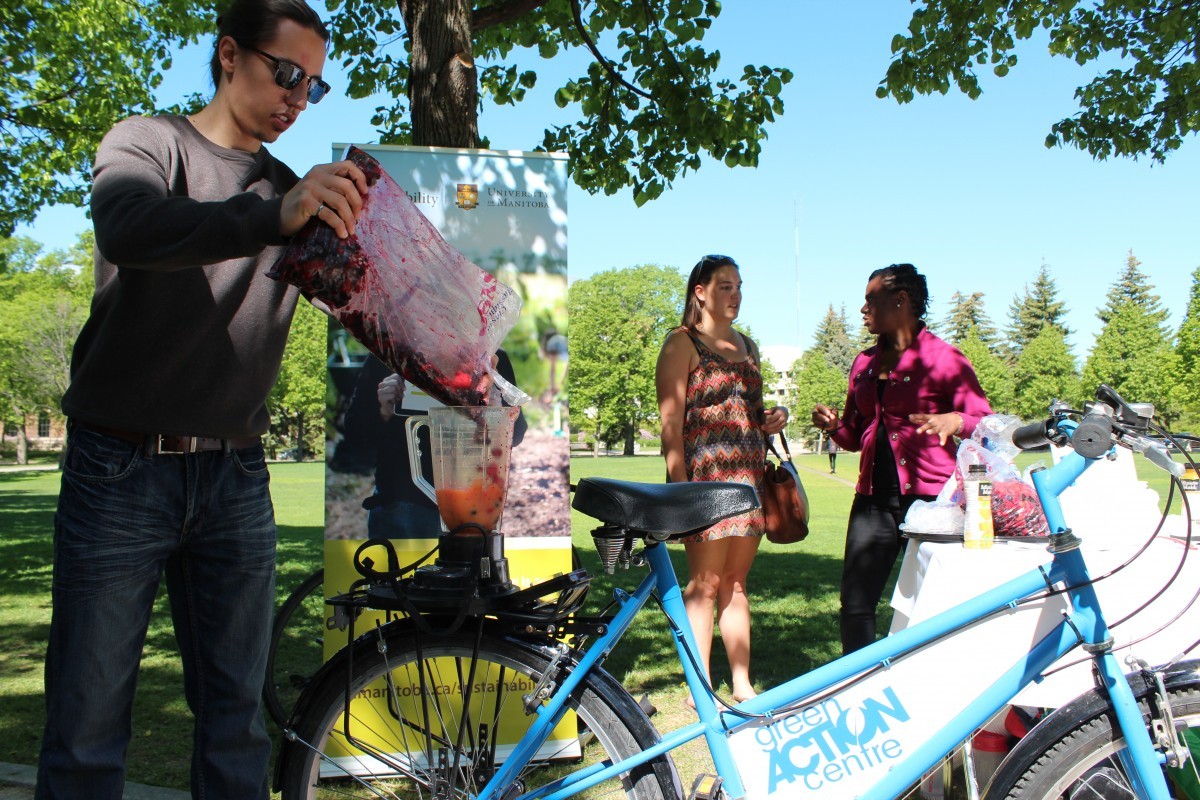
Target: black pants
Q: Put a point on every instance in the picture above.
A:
(872, 543)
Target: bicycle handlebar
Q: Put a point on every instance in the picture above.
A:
(1107, 422)
(1033, 435)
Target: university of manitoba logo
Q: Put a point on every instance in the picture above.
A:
(467, 196)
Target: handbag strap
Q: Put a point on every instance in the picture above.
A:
(783, 441)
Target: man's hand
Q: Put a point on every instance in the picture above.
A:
(390, 393)
(333, 193)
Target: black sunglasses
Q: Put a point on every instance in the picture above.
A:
(289, 75)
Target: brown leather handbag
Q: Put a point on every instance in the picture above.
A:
(784, 501)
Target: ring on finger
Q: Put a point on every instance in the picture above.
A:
(320, 208)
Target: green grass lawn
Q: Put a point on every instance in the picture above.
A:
(160, 750)
(794, 596)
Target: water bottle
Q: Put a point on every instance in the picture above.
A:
(1191, 485)
(988, 751)
(977, 490)
(933, 784)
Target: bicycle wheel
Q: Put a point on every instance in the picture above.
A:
(297, 639)
(419, 739)
(1084, 763)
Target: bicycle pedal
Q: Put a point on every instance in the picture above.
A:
(646, 706)
(706, 787)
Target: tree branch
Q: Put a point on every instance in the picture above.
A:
(577, 14)
(501, 12)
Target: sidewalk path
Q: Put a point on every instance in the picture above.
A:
(17, 782)
(824, 473)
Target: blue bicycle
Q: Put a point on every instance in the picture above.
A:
(479, 690)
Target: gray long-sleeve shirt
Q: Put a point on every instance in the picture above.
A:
(186, 333)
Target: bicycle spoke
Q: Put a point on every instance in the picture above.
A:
(424, 737)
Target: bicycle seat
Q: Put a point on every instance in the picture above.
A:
(666, 509)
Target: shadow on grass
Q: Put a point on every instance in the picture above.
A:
(160, 748)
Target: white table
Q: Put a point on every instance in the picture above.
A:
(935, 577)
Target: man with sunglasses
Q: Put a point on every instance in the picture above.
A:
(164, 472)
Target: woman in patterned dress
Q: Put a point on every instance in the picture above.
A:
(714, 429)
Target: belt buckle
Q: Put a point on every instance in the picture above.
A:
(191, 442)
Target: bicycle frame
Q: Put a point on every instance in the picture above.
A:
(807, 720)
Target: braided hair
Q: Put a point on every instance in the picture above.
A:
(904, 277)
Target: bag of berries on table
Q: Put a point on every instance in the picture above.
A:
(404, 293)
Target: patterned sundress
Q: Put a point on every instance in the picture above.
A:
(722, 440)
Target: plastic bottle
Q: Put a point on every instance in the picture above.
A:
(933, 786)
(1191, 485)
(988, 750)
(977, 490)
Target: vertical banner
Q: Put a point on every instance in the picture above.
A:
(505, 211)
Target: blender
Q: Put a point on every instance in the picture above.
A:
(470, 448)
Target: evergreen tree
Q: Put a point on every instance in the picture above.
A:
(1034, 308)
(1133, 287)
(1187, 350)
(968, 315)
(1045, 371)
(1134, 356)
(833, 339)
(994, 375)
(817, 381)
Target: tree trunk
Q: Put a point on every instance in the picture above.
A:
(443, 87)
(630, 436)
(22, 445)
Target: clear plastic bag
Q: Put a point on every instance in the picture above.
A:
(404, 293)
(1015, 507)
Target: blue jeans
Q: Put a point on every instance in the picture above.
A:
(124, 520)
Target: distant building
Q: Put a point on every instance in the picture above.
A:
(44, 431)
(781, 357)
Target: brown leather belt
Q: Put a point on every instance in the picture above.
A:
(156, 444)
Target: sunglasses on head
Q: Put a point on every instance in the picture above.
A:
(288, 76)
(710, 259)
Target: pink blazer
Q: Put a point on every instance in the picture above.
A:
(932, 377)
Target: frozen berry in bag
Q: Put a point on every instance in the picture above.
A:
(409, 297)
(1016, 510)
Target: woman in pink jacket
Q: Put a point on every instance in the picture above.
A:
(909, 397)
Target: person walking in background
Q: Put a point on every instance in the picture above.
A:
(165, 470)
(714, 428)
(832, 449)
(908, 397)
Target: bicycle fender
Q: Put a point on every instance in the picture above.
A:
(1087, 705)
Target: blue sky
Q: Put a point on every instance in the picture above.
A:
(847, 182)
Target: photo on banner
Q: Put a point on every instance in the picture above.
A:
(506, 212)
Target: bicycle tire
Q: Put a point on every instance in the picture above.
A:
(618, 726)
(296, 651)
(1075, 754)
